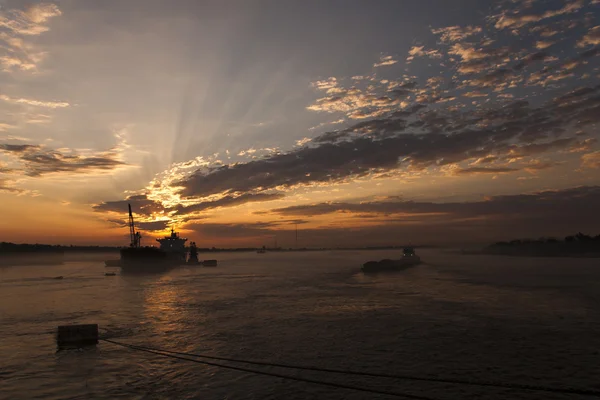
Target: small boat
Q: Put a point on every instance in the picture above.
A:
(58, 277)
(193, 255)
(409, 259)
(209, 263)
(262, 251)
(110, 274)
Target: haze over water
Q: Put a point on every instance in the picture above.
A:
(525, 320)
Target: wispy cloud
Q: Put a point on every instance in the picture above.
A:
(16, 25)
(513, 20)
(591, 160)
(36, 103)
(385, 60)
(38, 160)
(419, 51)
(452, 34)
(591, 38)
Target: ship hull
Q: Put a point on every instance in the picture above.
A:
(391, 265)
(147, 260)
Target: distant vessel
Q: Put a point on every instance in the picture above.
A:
(136, 258)
(409, 259)
(12, 254)
(193, 257)
(262, 251)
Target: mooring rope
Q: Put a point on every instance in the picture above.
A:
(275, 375)
(515, 386)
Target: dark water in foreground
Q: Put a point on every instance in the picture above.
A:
(527, 320)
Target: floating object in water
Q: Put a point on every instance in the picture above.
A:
(58, 277)
(72, 335)
(409, 259)
(209, 263)
(110, 274)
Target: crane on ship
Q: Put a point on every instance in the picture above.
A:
(136, 238)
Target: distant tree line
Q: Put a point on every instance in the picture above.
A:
(28, 248)
(573, 245)
(579, 237)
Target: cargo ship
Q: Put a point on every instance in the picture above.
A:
(138, 258)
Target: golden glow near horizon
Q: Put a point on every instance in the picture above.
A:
(241, 134)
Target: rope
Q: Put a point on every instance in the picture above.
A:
(518, 386)
(275, 375)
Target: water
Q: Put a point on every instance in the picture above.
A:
(521, 320)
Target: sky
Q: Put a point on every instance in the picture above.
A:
(359, 123)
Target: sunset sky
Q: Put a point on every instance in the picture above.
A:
(359, 122)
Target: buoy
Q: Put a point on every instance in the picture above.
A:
(77, 335)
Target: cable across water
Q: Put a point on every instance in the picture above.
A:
(517, 386)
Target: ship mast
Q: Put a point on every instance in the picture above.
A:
(134, 236)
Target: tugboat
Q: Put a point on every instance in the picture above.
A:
(193, 256)
(136, 258)
(409, 259)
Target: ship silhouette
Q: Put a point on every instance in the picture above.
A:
(138, 258)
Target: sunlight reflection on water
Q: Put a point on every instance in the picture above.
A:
(482, 316)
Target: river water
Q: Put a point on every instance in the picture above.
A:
(524, 320)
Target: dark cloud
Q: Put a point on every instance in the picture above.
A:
(578, 203)
(18, 148)
(485, 170)
(383, 144)
(153, 225)
(233, 231)
(549, 213)
(38, 160)
(140, 204)
(229, 201)
(144, 226)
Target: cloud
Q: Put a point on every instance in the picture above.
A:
(31, 21)
(38, 160)
(37, 103)
(544, 203)
(153, 225)
(426, 140)
(385, 60)
(591, 38)
(484, 170)
(16, 53)
(516, 20)
(460, 117)
(544, 44)
(140, 204)
(591, 160)
(452, 34)
(418, 51)
(228, 201)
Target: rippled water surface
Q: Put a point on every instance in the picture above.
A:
(523, 320)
